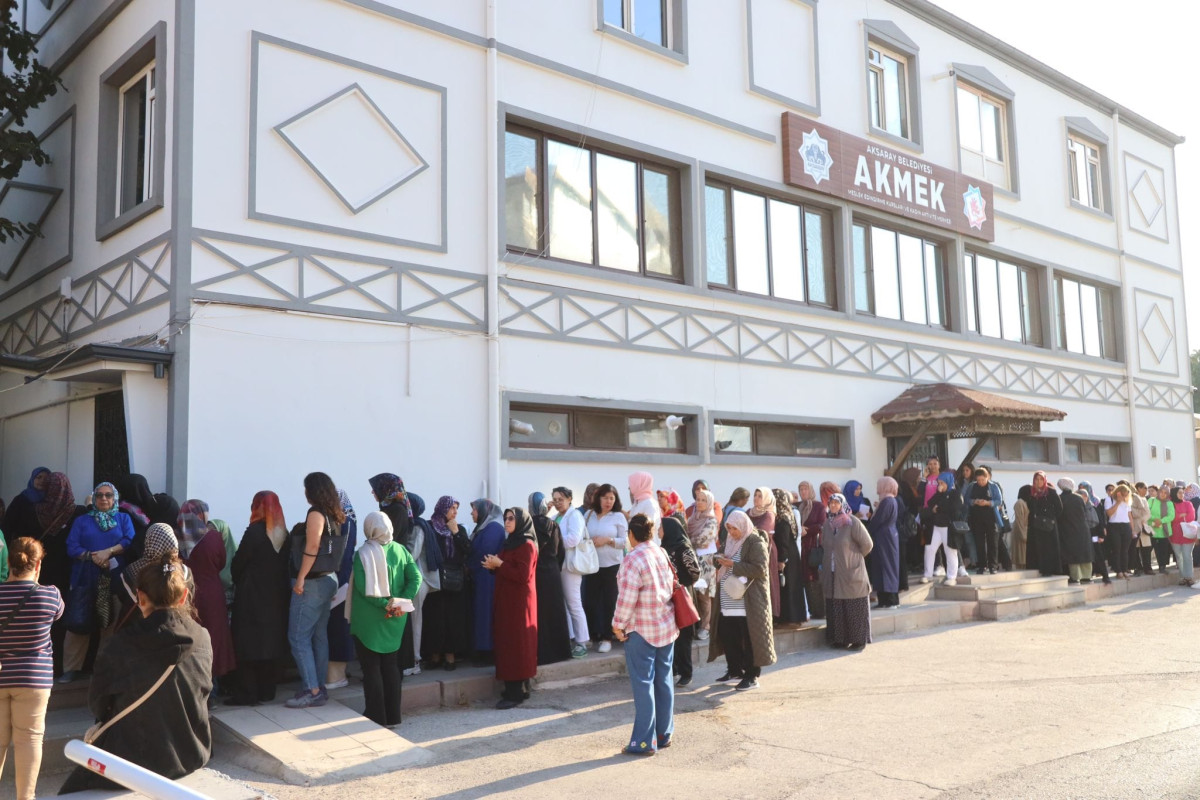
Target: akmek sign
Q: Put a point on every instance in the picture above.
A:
(826, 160)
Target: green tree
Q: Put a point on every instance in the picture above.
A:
(1195, 381)
(24, 85)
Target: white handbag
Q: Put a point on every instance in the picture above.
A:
(1190, 530)
(735, 587)
(582, 559)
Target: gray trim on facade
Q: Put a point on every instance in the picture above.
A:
(800, 105)
(846, 442)
(981, 78)
(1084, 129)
(677, 52)
(887, 34)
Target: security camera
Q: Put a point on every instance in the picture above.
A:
(675, 422)
(519, 427)
(724, 444)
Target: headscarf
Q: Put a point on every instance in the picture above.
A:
(348, 509)
(522, 530)
(641, 486)
(887, 487)
(853, 499)
(1066, 484)
(674, 503)
(193, 525)
(1087, 487)
(828, 490)
(31, 493)
(377, 529)
(1192, 491)
(947, 478)
(136, 493)
(768, 500)
(438, 522)
(701, 484)
(843, 517)
(737, 520)
(911, 478)
(783, 510)
(1034, 491)
(265, 508)
(538, 506)
(388, 489)
(160, 540)
(698, 521)
(805, 507)
(106, 520)
(488, 512)
(431, 554)
(58, 503)
(166, 509)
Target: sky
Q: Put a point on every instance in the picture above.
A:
(1138, 54)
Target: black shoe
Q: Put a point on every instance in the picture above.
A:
(682, 682)
(449, 666)
(729, 676)
(505, 704)
(1085, 580)
(747, 684)
(1071, 581)
(855, 647)
(980, 571)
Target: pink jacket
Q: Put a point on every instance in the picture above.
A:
(1183, 513)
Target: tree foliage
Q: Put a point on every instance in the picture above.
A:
(24, 85)
(1195, 359)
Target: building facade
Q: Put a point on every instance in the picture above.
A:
(500, 246)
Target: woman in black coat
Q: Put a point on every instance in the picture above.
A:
(1045, 507)
(446, 627)
(793, 607)
(169, 733)
(554, 637)
(678, 547)
(1075, 535)
(262, 591)
(21, 518)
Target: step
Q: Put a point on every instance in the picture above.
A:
(1098, 590)
(62, 725)
(1026, 604)
(1010, 588)
(999, 577)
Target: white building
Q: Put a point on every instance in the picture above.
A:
(366, 235)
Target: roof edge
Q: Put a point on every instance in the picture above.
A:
(83, 355)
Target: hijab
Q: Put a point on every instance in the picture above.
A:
(1087, 487)
(31, 493)
(377, 529)
(641, 486)
(438, 522)
(1192, 492)
(886, 487)
(265, 508)
(698, 521)
(193, 525)
(806, 506)
(854, 498)
(160, 540)
(136, 493)
(348, 509)
(106, 520)
(842, 518)
(431, 553)
(674, 503)
(768, 501)
(522, 530)
(740, 522)
(783, 510)
(488, 512)
(538, 505)
(389, 489)
(947, 478)
(828, 490)
(58, 503)
(1036, 492)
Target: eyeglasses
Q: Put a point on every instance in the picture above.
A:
(508, 517)
(103, 495)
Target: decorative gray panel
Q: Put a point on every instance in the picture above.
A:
(1157, 344)
(1146, 203)
(26, 203)
(281, 275)
(1163, 396)
(129, 285)
(549, 312)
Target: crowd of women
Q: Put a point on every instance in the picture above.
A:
(529, 585)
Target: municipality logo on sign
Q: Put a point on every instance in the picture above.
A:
(974, 207)
(815, 153)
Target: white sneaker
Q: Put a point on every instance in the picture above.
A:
(605, 647)
(950, 582)
(962, 572)
(940, 572)
(338, 684)
(702, 636)
(925, 580)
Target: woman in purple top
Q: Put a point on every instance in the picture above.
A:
(26, 661)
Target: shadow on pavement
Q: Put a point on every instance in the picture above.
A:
(528, 779)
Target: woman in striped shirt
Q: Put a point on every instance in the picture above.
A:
(26, 661)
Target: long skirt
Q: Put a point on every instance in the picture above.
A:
(446, 624)
(848, 621)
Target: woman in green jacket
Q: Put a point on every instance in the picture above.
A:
(1162, 514)
(384, 574)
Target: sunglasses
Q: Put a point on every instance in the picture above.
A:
(104, 494)
(507, 517)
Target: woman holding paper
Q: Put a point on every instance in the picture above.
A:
(382, 586)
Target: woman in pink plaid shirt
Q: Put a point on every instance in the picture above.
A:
(645, 622)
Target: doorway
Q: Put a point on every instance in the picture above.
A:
(110, 455)
(933, 445)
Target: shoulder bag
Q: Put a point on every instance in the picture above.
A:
(582, 559)
(20, 605)
(93, 733)
(958, 533)
(1190, 530)
(686, 614)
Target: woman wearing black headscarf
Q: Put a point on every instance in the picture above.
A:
(393, 500)
(446, 627)
(20, 518)
(515, 620)
(792, 605)
(554, 638)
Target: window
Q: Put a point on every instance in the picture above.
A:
(1083, 451)
(887, 85)
(132, 136)
(650, 20)
(578, 203)
(898, 276)
(1033, 449)
(564, 428)
(983, 135)
(1002, 299)
(735, 437)
(763, 245)
(1086, 318)
(1086, 172)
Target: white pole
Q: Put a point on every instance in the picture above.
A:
(128, 774)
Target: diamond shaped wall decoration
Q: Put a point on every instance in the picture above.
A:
(353, 147)
(1156, 331)
(1146, 198)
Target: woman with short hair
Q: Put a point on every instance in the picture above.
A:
(608, 530)
(742, 629)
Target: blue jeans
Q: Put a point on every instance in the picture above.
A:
(1183, 554)
(649, 670)
(308, 621)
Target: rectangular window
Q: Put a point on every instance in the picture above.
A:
(899, 276)
(1086, 172)
(589, 206)
(1084, 451)
(568, 428)
(645, 19)
(983, 135)
(135, 136)
(1002, 299)
(779, 248)
(776, 439)
(1032, 449)
(887, 82)
(1086, 318)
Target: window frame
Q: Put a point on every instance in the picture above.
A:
(1049, 442)
(804, 207)
(1031, 308)
(942, 245)
(148, 75)
(1125, 447)
(675, 173)
(843, 428)
(886, 37)
(1085, 141)
(674, 28)
(1109, 329)
(1004, 107)
(149, 53)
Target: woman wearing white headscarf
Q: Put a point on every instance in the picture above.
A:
(762, 516)
(384, 573)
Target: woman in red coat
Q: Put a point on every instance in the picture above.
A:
(206, 559)
(515, 620)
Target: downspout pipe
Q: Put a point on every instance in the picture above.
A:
(1128, 308)
(491, 135)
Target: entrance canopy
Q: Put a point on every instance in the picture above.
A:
(958, 413)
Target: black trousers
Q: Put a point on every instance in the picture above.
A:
(903, 563)
(1099, 561)
(1162, 552)
(381, 684)
(989, 545)
(682, 665)
(1119, 539)
(739, 653)
(1143, 559)
(600, 602)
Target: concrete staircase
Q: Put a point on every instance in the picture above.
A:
(1013, 594)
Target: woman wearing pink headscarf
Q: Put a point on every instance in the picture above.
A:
(641, 494)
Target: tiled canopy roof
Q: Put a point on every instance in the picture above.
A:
(943, 401)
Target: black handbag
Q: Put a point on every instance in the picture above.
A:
(453, 578)
(816, 557)
(329, 550)
(958, 534)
